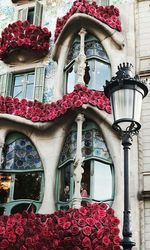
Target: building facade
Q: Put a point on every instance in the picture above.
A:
(55, 135)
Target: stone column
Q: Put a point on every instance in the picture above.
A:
(78, 170)
(81, 58)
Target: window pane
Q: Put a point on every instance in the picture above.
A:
(99, 73)
(71, 78)
(21, 155)
(2, 210)
(102, 181)
(29, 91)
(85, 182)
(30, 15)
(18, 80)
(69, 149)
(65, 183)
(18, 92)
(5, 181)
(30, 78)
(27, 186)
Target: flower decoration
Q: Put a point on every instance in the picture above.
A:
(62, 230)
(26, 35)
(38, 111)
(105, 14)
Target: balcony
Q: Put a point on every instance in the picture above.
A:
(22, 42)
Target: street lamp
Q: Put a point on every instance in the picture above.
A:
(126, 93)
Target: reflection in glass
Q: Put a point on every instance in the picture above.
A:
(2, 210)
(102, 181)
(30, 15)
(23, 207)
(99, 73)
(23, 85)
(5, 181)
(65, 183)
(71, 78)
(27, 186)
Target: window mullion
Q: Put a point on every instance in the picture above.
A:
(12, 186)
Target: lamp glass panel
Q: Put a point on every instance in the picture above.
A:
(137, 106)
(123, 106)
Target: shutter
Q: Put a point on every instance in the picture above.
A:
(39, 81)
(38, 13)
(5, 84)
(23, 14)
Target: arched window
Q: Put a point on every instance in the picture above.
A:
(21, 175)
(97, 70)
(98, 176)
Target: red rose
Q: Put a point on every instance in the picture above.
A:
(115, 230)
(19, 230)
(86, 242)
(28, 241)
(82, 222)
(77, 248)
(106, 241)
(90, 221)
(2, 230)
(78, 103)
(66, 225)
(12, 237)
(4, 244)
(87, 230)
(116, 247)
(23, 248)
(116, 240)
(82, 211)
(114, 221)
(74, 230)
(99, 248)
(100, 233)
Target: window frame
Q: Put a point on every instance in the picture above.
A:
(95, 57)
(22, 12)
(11, 203)
(24, 84)
(90, 160)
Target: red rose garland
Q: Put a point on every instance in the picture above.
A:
(62, 230)
(20, 34)
(38, 111)
(105, 14)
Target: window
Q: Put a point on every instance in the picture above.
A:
(97, 70)
(31, 13)
(21, 175)
(98, 178)
(29, 85)
(23, 85)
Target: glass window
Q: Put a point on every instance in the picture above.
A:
(21, 174)
(98, 68)
(97, 182)
(30, 16)
(23, 85)
(102, 181)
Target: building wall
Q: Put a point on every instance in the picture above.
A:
(49, 138)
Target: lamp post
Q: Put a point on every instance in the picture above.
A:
(126, 93)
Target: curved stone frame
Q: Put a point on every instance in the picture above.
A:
(77, 171)
(111, 40)
(28, 202)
